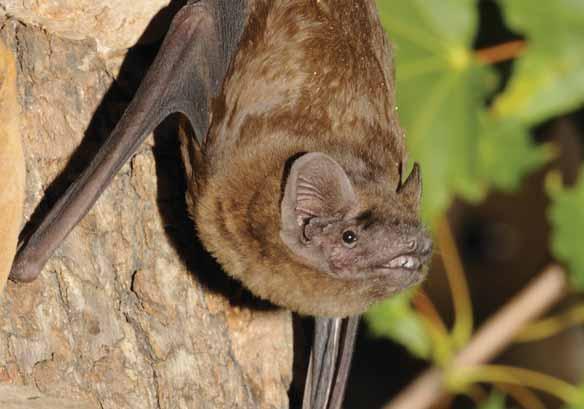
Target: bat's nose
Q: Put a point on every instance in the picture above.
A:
(425, 244)
(418, 242)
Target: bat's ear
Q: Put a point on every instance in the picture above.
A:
(411, 189)
(317, 186)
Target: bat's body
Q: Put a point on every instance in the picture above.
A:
(323, 71)
(295, 165)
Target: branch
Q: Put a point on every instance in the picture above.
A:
(541, 294)
(501, 52)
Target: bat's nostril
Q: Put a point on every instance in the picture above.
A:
(426, 246)
(411, 245)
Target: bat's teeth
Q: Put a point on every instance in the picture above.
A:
(397, 262)
(408, 262)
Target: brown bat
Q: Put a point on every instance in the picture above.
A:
(294, 158)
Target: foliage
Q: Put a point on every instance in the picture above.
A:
(549, 77)
(442, 91)
(567, 218)
(469, 135)
(495, 401)
(395, 319)
(579, 404)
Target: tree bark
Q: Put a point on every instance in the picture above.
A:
(130, 312)
(11, 164)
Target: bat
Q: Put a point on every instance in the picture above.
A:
(294, 159)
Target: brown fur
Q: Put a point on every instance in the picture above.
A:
(310, 76)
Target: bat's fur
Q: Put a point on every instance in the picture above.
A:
(324, 71)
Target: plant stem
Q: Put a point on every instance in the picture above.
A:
(521, 395)
(552, 325)
(463, 316)
(477, 394)
(501, 52)
(442, 350)
(516, 376)
(537, 297)
(425, 306)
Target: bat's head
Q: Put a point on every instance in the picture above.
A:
(353, 234)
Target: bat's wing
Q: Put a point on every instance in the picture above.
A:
(187, 72)
(330, 361)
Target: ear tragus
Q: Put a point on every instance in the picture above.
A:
(317, 186)
(411, 188)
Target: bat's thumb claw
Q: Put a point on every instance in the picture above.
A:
(24, 270)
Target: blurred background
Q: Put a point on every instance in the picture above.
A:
(491, 96)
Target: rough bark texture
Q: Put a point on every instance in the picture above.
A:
(114, 24)
(11, 163)
(129, 313)
(26, 397)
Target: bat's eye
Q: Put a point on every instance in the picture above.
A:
(349, 237)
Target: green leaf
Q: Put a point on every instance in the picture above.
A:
(507, 152)
(495, 401)
(440, 93)
(566, 215)
(396, 319)
(549, 77)
(579, 403)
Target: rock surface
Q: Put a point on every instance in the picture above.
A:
(24, 397)
(114, 24)
(129, 313)
(11, 164)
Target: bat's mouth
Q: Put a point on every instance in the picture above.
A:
(405, 261)
(402, 267)
(405, 270)
(411, 261)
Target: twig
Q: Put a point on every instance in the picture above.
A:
(501, 52)
(522, 395)
(434, 327)
(551, 326)
(463, 315)
(426, 307)
(542, 293)
(559, 388)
